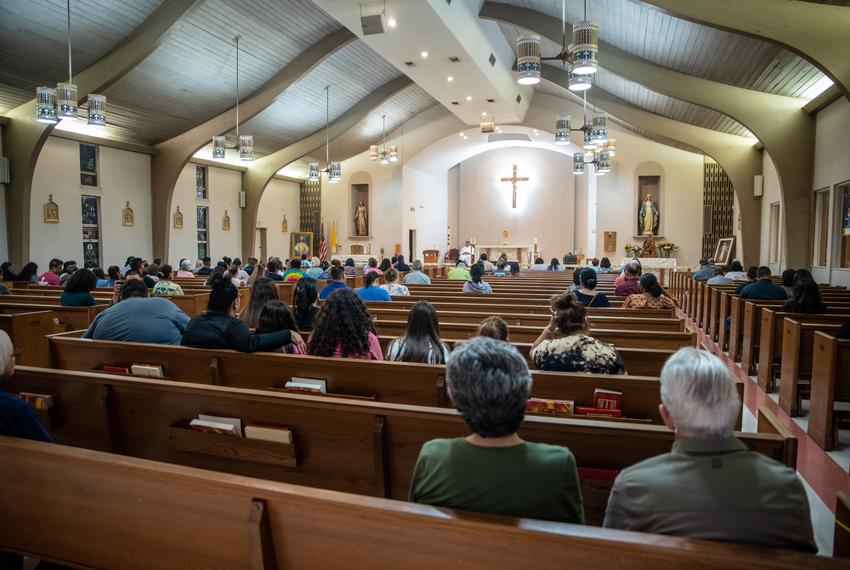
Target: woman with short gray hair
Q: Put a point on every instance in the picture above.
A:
(710, 486)
(493, 470)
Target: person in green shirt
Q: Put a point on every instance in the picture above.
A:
(493, 470)
(459, 273)
(77, 291)
(165, 287)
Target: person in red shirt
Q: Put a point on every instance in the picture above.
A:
(51, 276)
(631, 281)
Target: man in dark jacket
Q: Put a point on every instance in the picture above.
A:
(764, 288)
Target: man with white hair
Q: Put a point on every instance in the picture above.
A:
(17, 418)
(710, 485)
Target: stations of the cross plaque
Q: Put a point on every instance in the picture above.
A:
(513, 180)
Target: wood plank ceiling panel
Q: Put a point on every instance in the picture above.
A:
(191, 77)
(33, 36)
(699, 50)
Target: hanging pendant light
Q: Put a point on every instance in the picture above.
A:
(580, 82)
(562, 130)
(393, 153)
(244, 143)
(334, 169)
(578, 163)
(45, 105)
(600, 127)
(584, 52)
(373, 152)
(313, 176)
(97, 110)
(66, 101)
(612, 147)
(528, 60)
(334, 172)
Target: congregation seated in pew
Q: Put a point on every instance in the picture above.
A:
(305, 300)
(166, 287)
(277, 316)
(788, 281)
(736, 271)
(752, 275)
(494, 327)
(391, 284)
(113, 274)
(763, 287)
(416, 276)
(263, 291)
(459, 273)
(422, 341)
(17, 417)
(586, 293)
(630, 283)
(706, 271)
(78, 289)
(564, 345)
(218, 327)
(502, 269)
(721, 278)
(805, 295)
(135, 317)
(370, 290)
(344, 328)
(651, 296)
(710, 485)
(476, 283)
(337, 282)
(493, 470)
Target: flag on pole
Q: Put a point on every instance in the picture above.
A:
(323, 246)
(333, 237)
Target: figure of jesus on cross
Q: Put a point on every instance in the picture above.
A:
(513, 180)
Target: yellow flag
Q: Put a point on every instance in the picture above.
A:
(333, 238)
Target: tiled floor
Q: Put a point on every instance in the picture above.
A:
(824, 474)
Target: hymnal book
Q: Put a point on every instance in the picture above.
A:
(235, 423)
(115, 369)
(147, 370)
(550, 407)
(307, 385)
(213, 427)
(598, 412)
(278, 434)
(607, 399)
(37, 401)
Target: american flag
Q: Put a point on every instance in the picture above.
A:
(323, 246)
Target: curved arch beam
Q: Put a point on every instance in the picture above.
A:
(735, 154)
(25, 136)
(780, 123)
(173, 154)
(817, 32)
(260, 172)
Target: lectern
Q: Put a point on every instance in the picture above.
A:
(432, 256)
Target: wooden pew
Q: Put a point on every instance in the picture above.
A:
(499, 308)
(64, 318)
(830, 383)
(192, 303)
(798, 352)
(619, 338)
(751, 329)
(841, 538)
(768, 422)
(340, 444)
(147, 515)
(27, 331)
(772, 340)
(396, 382)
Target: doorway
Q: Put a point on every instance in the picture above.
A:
(262, 245)
(411, 238)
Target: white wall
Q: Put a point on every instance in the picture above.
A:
(682, 195)
(281, 196)
(772, 194)
(545, 203)
(123, 176)
(222, 194)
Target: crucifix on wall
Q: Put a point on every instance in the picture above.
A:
(513, 180)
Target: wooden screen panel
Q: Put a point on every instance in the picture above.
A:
(718, 206)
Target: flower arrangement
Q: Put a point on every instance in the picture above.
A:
(631, 249)
(667, 248)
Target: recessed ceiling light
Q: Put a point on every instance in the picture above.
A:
(469, 97)
(483, 113)
(450, 78)
(391, 22)
(424, 54)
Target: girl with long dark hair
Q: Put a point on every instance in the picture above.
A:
(276, 315)
(305, 300)
(218, 327)
(344, 328)
(263, 292)
(805, 295)
(422, 342)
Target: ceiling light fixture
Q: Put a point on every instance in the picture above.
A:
(488, 123)
(244, 143)
(333, 169)
(61, 103)
(450, 78)
(424, 54)
(469, 97)
(384, 154)
(594, 140)
(580, 57)
(391, 22)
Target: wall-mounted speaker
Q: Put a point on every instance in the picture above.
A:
(242, 199)
(758, 185)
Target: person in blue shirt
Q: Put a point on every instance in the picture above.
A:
(337, 282)
(764, 288)
(113, 274)
(706, 271)
(17, 418)
(416, 277)
(370, 291)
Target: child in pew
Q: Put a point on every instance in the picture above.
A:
(422, 342)
(277, 316)
(494, 327)
(344, 328)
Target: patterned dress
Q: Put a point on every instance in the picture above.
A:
(641, 301)
(577, 353)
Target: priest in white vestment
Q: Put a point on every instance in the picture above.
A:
(467, 254)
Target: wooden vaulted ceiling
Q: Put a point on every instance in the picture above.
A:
(191, 76)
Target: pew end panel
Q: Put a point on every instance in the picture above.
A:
(768, 422)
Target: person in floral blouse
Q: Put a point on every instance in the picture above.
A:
(391, 284)
(652, 296)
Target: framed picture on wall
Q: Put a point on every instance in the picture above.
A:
(723, 251)
(301, 243)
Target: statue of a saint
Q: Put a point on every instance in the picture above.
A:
(127, 216)
(648, 217)
(648, 249)
(361, 224)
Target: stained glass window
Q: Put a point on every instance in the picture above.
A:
(88, 164)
